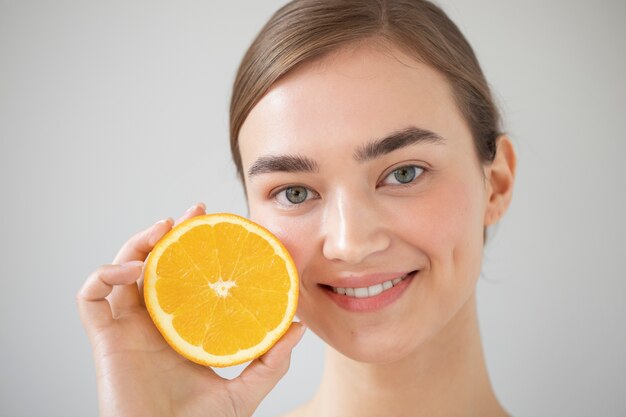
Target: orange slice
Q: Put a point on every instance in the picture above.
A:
(220, 289)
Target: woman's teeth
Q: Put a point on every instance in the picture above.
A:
(371, 291)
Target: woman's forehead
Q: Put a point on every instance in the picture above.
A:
(346, 98)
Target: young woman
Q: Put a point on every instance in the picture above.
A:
(367, 140)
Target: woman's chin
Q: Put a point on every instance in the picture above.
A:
(374, 349)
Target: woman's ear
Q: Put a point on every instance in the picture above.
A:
(500, 176)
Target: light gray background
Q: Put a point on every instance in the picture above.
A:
(113, 114)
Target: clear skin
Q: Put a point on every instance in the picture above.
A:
(420, 355)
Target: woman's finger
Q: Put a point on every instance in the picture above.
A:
(127, 297)
(93, 307)
(258, 379)
(197, 210)
(139, 246)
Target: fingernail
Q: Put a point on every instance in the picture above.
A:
(302, 329)
(195, 207)
(168, 220)
(131, 264)
(155, 233)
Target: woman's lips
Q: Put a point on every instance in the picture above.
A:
(370, 298)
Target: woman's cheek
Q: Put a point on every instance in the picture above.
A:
(290, 231)
(299, 238)
(456, 231)
(437, 221)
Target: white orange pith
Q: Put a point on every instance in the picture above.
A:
(220, 289)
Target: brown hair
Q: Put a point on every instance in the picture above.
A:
(306, 29)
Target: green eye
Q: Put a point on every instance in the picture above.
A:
(296, 195)
(404, 175)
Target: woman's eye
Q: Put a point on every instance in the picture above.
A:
(403, 175)
(293, 195)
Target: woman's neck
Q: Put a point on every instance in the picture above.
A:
(447, 376)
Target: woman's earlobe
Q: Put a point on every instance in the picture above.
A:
(501, 177)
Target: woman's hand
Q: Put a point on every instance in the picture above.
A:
(138, 374)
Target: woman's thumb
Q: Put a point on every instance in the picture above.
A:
(258, 379)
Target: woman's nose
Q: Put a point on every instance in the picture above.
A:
(353, 230)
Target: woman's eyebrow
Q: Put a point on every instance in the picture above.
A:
(399, 139)
(282, 163)
(371, 150)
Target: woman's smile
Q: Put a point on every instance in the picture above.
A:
(370, 292)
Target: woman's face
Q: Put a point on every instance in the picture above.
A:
(364, 168)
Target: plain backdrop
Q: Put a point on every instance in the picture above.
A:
(114, 114)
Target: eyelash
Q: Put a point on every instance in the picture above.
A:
(420, 171)
(312, 194)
